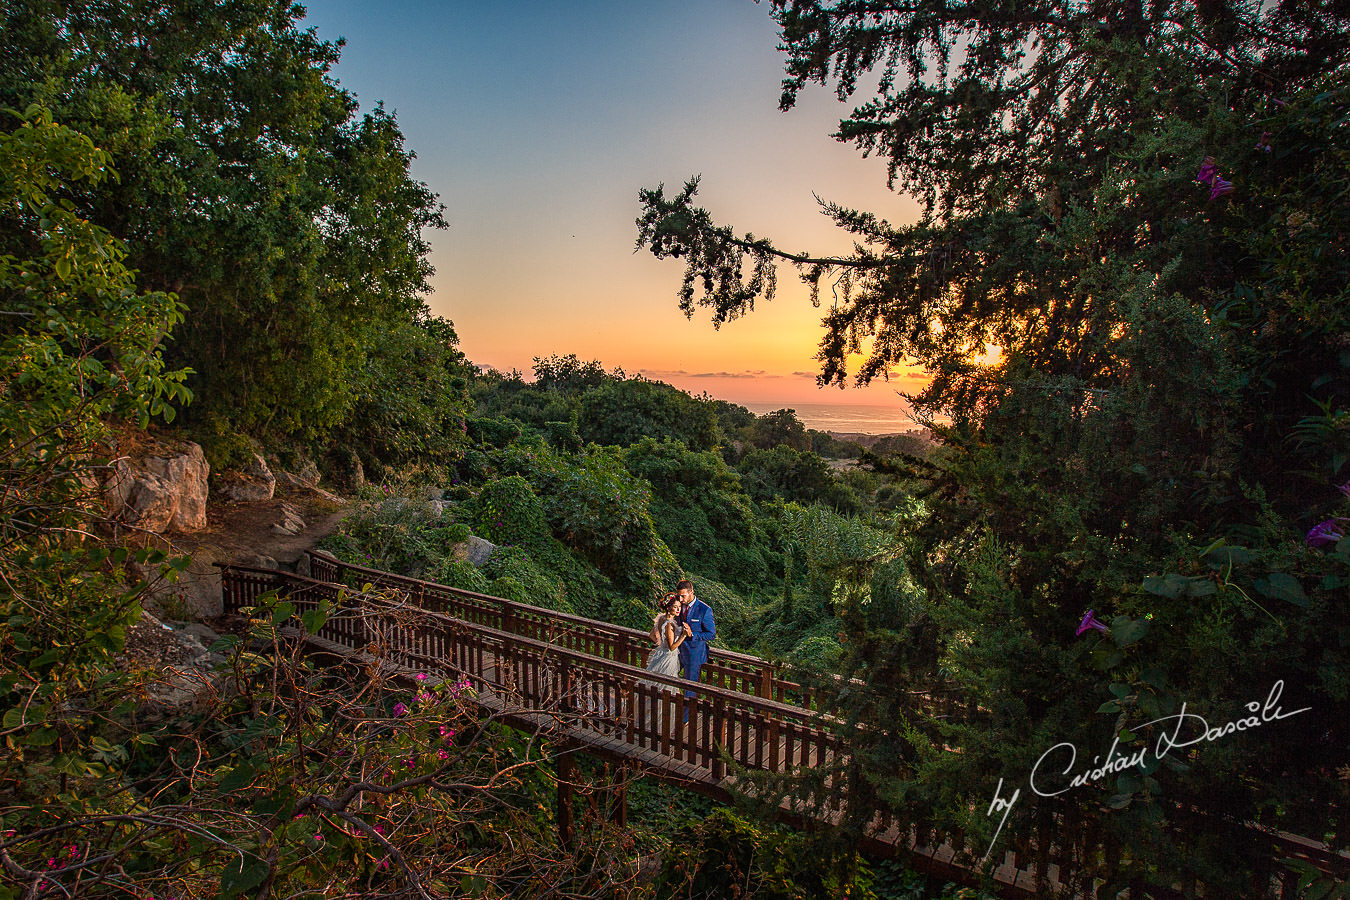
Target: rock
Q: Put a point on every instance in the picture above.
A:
(259, 561)
(291, 524)
(328, 496)
(433, 494)
(194, 594)
(477, 550)
(251, 485)
(438, 507)
(308, 472)
(185, 676)
(203, 633)
(344, 467)
(159, 493)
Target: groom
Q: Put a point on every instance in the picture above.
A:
(697, 619)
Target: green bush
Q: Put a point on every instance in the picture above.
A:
(726, 856)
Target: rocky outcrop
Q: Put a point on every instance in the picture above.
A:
(305, 477)
(193, 593)
(160, 492)
(477, 550)
(185, 673)
(250, 485)
(291, 524)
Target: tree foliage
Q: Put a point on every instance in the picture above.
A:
(1143, 208)
(288, 225)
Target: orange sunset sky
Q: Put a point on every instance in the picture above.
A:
(537, 123)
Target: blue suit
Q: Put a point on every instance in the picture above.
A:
(694, 650)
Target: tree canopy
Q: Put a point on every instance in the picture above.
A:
(1143, 208)
(288, 224)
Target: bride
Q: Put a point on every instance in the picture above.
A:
(668, 633)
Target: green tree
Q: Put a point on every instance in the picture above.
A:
(79, 345)
(781, 427)
(411, 397)
(1143, 206)
(624, 412)
(289, 225)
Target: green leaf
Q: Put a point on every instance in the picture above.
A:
(1127, 631)
(1120, 690)
(283, 612)
(239, 777)
(1221, 557)
(1280, 586)
(1169, 586)
(242, 874)
(1110, 706)
(41, 737)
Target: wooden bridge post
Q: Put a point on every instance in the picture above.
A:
(618, 790)
(567, 775)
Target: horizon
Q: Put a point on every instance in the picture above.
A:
(538, 153)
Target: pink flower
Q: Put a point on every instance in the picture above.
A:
(1219, 188)
(384, 863)
(411, 762)
(421, 676)
(423, 697)
(1324, 534)
(399, 709)
(442, 754)
(318, 835)
(1090, 621)
(379, 829)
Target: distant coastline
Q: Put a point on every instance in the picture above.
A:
(847, 420)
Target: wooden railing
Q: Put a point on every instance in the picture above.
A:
(725, 668)
(549, 676)
(609, 702)
(728, 669)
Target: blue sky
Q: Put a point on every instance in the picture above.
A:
(537, 123)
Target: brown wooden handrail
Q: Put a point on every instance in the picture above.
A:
(742, 671)
(613, 701)
(623, 708)
(775, 685)
(291, 579)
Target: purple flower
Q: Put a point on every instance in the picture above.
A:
(1344, 489)
(399, 709)
(1219, 188)
(1090, 621)
(1208, 171)
(1263, 142)
(1324, 534)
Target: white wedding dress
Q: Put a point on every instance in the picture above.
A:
(663, 660)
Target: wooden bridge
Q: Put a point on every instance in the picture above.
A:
(582, 680)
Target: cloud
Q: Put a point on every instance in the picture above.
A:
(682, 373)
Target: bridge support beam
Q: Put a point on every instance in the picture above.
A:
(618, 794)
(567, 777)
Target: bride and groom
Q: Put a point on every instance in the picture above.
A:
(681, 633)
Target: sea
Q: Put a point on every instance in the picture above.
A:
(845, 417)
